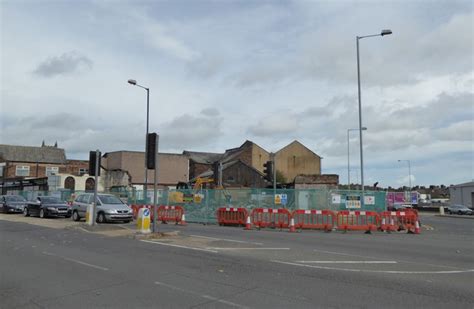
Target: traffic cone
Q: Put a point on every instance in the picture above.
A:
(292, 225)
(417, 227)
(183, 219)
(248, 225)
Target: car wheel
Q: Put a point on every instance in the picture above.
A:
(101, 217)
(42, 214)
(26, 213)
(126, 221)
(459, 212)
(75, 216)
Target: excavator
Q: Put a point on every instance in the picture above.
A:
(180, 197)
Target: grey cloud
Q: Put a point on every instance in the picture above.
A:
(65, 64)
(211, 112)
(283, 124)
(188, 131)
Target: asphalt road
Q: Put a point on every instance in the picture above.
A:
(223, 267)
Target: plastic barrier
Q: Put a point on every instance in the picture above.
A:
(272, 218)
(357, 220)
(388, 221)
(170, 214)
(314, 219)
(407, 220)
(231, 216)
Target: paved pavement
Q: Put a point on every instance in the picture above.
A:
(217, 267)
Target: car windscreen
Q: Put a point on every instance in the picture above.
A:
(109, 199)
(14, 198)
(51, 200)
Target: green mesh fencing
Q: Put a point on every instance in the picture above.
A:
(201, 206)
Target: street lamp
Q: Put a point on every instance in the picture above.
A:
(134, 83)
(409, 172)
(382, 33)
(348, 162)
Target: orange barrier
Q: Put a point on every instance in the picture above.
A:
(314, 219)
(272, 218)
(357, 220)
(407, 220)
(388, 221)
(231, 216)
(171, 214)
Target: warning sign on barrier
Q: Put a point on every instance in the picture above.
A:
(336, 199)
(277, 199)
(352, 201)
(281, 199)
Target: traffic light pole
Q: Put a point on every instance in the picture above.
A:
(94, 205)
(274, 174)
(155, 180)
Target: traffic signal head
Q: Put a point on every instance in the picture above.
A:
(92, 163)
(268, 170)
(151, 150)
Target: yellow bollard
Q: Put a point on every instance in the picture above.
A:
(143, 221)
(89, 216)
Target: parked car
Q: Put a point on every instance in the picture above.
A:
(12, 203)
(109, 208)
(47, 206)
(459, 209)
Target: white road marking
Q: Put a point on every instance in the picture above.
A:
(216, 248)
(371, 257)
(179, 246)
(222, 301)
(231, 240)
(347, 262)
(76, 261)
(378, 271)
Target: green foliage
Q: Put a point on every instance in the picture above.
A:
(280, 178)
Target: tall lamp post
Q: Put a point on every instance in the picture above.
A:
(348, 160)
(134, 83)
(409, 172)
(382, 33)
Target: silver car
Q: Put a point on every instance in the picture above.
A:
(109, 208)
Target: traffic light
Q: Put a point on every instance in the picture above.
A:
(92, 159)
(268, 170)
(151, 150)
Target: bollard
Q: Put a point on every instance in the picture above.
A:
(143, 221)
(441, 210)
(89, 216)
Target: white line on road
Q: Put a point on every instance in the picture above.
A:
(215, 248)
(347, 262)
(76, 261)
(371, 257)
(379, 271)
(178, 246)
(222, 301)
(231, 240)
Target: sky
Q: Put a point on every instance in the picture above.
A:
(223, 72)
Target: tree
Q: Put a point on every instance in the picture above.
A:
(280, 178)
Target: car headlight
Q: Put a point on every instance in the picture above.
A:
(52, 208)
(111, 211)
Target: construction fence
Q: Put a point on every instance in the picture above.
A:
(201, 206)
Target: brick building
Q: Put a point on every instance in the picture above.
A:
(172, 168)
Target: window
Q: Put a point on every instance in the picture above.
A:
(22, 170)
(51, 170)
(82, 171)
